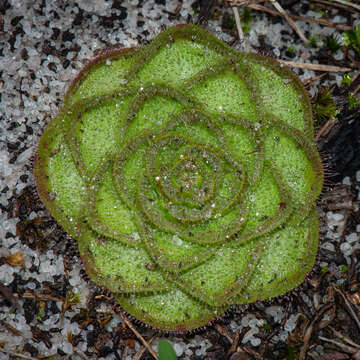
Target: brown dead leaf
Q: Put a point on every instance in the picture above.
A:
(130, 343)
(354, 298)
(16, 259)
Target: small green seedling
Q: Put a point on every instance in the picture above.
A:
(187, 173)
(333, 43)
(324, 270)
(346, 80)
(166, 351)
(246, 18)
(324, 105)
(352, 38)
(313, 41)
(353, 101)
(291, 50)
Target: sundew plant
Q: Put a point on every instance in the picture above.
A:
(187, 173)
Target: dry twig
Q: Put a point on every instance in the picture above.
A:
(10, 328)
(235, 343)
(138, 335)
(130, 326)
(142, 350)
(348, 3)
(39, 297)
(342, 346)
(278, 7)
(313, 79)
(337, 4)
(309, 331)
(325, 129)
(316, 67)
(348, 306)
(356, 90)
(253, 352)
(238, 25)
(13, 353)
(223, 332)
(342, 27)
(344, 338)
(289, 20)
(245, 2)
(357, 74)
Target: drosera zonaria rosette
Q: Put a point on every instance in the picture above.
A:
(188, 175)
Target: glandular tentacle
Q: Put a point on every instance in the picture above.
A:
(93, 79)
(188, 313)
(63, 194)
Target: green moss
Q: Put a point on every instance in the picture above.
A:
(346, 79)
(324, 269)
(324, 105)
(186, 172)
(246, 17)
(333, 43)
(291, 50)
(352, 38)
(313, 41)
(353, 101)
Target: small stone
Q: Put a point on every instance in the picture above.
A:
(338, 217)
(179, 348)
(346, 180)
(255, 342)
(276, 312)
(351, 238)
(358, 176)
(328, 246)
(290, 324)
(67, 348)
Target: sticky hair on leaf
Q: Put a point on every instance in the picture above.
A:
(187, 173)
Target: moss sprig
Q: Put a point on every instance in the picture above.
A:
(324, 105)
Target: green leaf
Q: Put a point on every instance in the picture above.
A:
(166, 351)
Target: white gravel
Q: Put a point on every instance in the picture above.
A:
(32, 87)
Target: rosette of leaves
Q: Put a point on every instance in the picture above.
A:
(187, 173)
